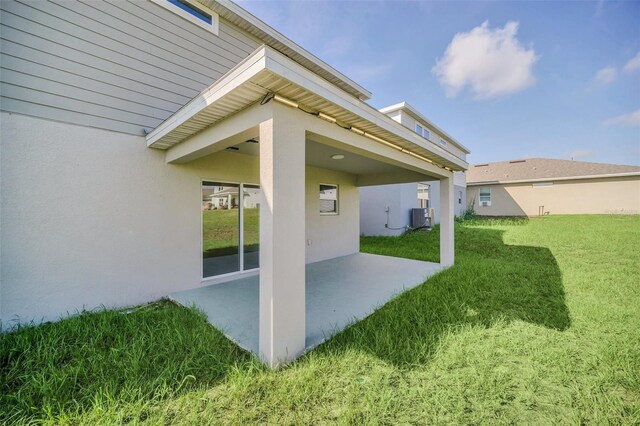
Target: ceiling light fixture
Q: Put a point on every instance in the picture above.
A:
(337, 157)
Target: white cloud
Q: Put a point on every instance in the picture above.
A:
(633, 64)
(631, 119)
(606, 75)
(492, 62)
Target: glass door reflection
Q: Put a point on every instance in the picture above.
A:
(220, 228)
(251, 226)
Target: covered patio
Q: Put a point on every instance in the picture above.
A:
(338, 292)
(279, 127)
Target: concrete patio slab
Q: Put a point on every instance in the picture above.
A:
(339, 292)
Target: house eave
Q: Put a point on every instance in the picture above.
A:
(554, 179)
(404, 106)
(270, 37)
(266, 72)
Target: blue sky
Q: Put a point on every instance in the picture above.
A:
(507, 79)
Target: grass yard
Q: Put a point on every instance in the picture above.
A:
(537, 323)
(220, 230)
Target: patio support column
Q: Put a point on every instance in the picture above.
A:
(282, 237)
(446, 221)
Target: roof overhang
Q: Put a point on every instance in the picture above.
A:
(267, 72)
(269, 36)
(555, 179)
(404, 106)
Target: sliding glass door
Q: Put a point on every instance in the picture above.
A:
(230, 234)
(250, 228)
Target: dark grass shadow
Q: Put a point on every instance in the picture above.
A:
(490, 282)
(152, 352)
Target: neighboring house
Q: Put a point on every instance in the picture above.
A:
(157, 103)
(386, 209)
(540, 186)
(216, 196)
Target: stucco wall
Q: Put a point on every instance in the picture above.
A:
(374, 200)
(459, 205)
(91, 217)
(584, 196)
(400, 198)
(331, 236)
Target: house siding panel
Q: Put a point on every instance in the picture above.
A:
(410, 122)
(144, 61)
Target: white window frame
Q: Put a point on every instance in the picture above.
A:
(337, 212)
(488, 188)
(214, 27)
(424, 188)
(424, 132)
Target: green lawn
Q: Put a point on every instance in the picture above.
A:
(220, 231)
(537, 323)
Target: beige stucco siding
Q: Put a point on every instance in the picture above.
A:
(91, 217)
(123, 65)
(580, 196)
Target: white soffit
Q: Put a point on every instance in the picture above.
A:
(267, 71)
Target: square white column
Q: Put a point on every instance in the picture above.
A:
(446, 221)
(282, 237)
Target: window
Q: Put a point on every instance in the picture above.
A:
(485, 196)
(422, 131)
(230, 228)
(193, 12)
(443, 142)
(423, 195)
(328, 199)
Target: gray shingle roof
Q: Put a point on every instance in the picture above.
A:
(541, 168)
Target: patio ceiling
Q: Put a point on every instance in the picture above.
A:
(267, 72)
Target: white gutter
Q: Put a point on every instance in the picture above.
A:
(553, 179)
(269, 35)
(266, 59)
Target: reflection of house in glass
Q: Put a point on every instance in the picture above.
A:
(227, 197)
